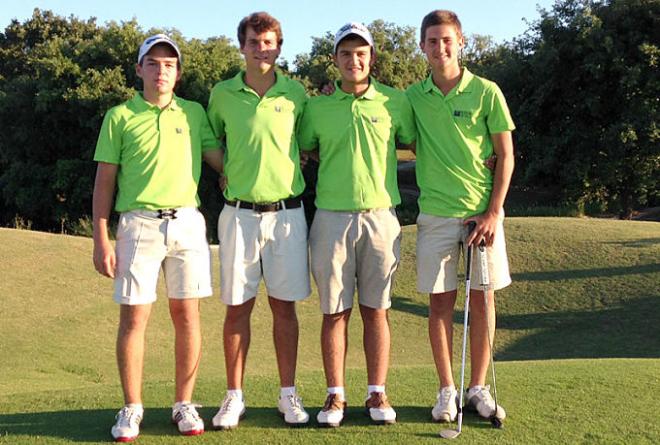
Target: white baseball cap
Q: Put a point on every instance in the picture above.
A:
(353, 28)
(149, 43)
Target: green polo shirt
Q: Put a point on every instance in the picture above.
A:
(262, 160)
(158, 151)
(356, 138)
(453, 140)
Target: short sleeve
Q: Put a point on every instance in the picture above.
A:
(407, 131)
(499, 118)
(214, 116)
(307, 138)
(108, 145)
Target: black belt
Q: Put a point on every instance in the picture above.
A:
(290, 203)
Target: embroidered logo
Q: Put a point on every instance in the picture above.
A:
(179, 130)
(278, 108)
(463, 114)
(374, 120)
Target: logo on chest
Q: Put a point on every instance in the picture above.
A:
(463, 114)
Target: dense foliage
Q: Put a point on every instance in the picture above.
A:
(582, 84)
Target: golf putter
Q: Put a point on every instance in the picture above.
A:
(449, 433)
(485, 284)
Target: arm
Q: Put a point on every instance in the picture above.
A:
(214, 158)
(487, 221)
(104, 189)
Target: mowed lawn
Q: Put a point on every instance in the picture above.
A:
(577, 351)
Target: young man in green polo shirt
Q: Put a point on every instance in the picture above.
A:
(461, 121)
(355, 237)
(151, 148)
(262, 228)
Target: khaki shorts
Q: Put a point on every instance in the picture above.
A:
(272, 245)
(145, 243)
(354, 248)
(438, 249)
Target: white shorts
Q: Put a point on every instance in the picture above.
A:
(145, 243)
(354, 248)
(438, 249)
(272, 245)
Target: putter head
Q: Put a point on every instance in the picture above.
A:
(449, 434)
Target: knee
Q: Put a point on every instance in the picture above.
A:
(283, 310)
(185, 315)
(372, 316)
(442, 304)
(239, 314)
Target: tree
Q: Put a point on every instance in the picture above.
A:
(586, 103)
(58, 77)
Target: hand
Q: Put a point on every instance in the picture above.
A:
(105, 261)
(486, 226)
(328, 88)
(304, 157)
(491, 162)
(222, 182)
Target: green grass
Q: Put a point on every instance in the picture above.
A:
(578, 347)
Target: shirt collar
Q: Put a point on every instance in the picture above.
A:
(237, 83)
(463, 84)
(144, 105)
(370, 94)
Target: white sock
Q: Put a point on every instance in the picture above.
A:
(236, 393)
(375, 388)
(287, 391)
(136, 406)
(339, 390)
(178, 405)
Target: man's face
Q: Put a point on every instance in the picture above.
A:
(159, 70)
(354, 60)
(442, 46)
(260, 50)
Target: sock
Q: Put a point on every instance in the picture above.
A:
(473, 389)
(136, 406)
(236, 393)
(375, 388)
(339, 390)
(178, 405)
(287, 391)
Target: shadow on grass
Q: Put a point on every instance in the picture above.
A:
(94, 424)
(629, 330)
(586, 273)
(636, 243)
(410, 306)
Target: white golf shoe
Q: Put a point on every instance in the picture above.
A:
(231, 411)
(127, 426)
(291, 408)
(378, 408)
(332, 413)
(478, 398)
(187, 419)
(446, 405)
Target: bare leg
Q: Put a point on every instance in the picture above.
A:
(376, 339)
(479, 348)
(236, 336)
(187, 345)
(130, 349)
(285, 337)
(441, 316)
(334, 344)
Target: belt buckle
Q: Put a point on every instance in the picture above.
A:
(266, 206)
(167, 213)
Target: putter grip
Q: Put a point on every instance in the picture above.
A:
(483, 266)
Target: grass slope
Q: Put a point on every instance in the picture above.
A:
(583, 289)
